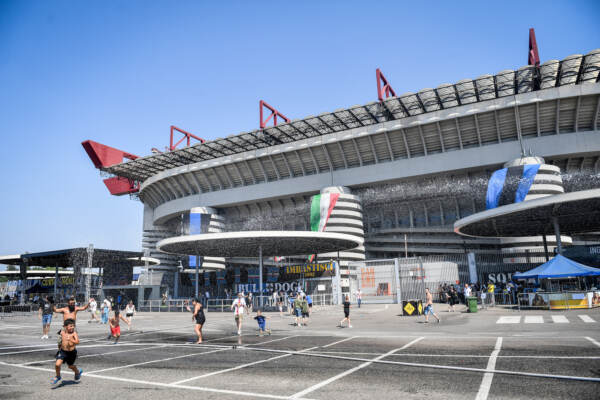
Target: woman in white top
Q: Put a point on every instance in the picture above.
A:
(129, 313)
(92, 310)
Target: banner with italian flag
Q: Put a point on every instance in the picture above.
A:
(320, 210)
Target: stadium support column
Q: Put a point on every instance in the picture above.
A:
(557, 233)
(260, 277)
(55, 280)
(197, 288)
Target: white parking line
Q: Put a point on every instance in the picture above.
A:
(534, 319)
(509, 320)
(560, 319)
(97, 354)
(593, 341)
(352, 370)
(486, 382)
(168, 385)
(238, 367)
(339, 341)
(174, 358)
(586, 318)
(153, 361)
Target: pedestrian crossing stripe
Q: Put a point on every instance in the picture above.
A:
(539, 319)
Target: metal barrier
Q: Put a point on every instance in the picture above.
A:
(16, 310)
(223, 305)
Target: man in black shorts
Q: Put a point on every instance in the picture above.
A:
(346, 313)
(66, 351)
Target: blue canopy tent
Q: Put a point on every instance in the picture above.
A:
(559, 267)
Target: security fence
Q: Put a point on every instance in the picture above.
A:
(395, 280)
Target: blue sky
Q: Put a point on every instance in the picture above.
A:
(121, 72)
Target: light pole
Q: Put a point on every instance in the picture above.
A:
(88, 278)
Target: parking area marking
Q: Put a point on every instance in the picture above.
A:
(534, 319)
(340, 341)
(486, 382)
(509, 320)
(168, 385)
(239, 367)
(586, 318)
(352, 370)
(593, 341)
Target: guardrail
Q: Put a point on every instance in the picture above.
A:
(223, 305)
(15, 310)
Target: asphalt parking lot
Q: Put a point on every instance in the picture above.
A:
(384, 355)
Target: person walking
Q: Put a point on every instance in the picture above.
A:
(250, 302)
(106, 306)
(298, 311)
(92, 310)
(310, 303)
(198, 317)
(358, 297)
(129, 313)
(238, 307)
(429, 307)
(491, 289)
(468, 291)
(45, 314)
(305, 311)
(206, 298)
(346, 306)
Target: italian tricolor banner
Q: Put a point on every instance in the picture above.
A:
(320, 210)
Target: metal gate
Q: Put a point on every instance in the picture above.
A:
(376, 279)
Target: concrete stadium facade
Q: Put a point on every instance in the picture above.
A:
(406, 168)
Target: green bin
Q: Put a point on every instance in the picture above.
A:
(472, 303)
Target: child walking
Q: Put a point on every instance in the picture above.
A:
(261, 319)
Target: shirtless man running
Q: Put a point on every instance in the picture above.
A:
(71, 310)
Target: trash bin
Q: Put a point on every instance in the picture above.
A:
(412, 307)
(472, 304)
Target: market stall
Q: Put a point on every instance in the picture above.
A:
(566, 282)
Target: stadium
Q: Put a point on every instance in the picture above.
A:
(395, 173)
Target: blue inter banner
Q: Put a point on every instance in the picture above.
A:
(510, 185)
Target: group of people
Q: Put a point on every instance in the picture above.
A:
(68, 337)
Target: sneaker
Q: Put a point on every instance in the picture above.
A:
(78, 375)
(439, 320)
(43, 337)
(239, 333)
(56, 380)
(349, 326)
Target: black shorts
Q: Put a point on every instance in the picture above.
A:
(309, 305)
(305, 315)
(200, 320)
(129, 315)
(346, 313)
(67, 356)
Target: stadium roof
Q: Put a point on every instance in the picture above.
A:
(572, 70)
(69, 257)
